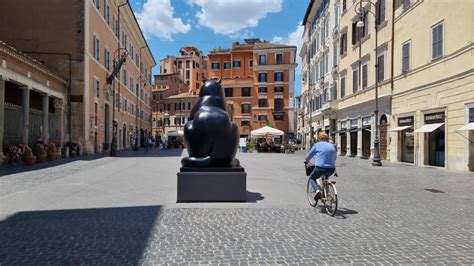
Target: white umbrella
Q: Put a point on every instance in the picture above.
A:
(174, 133)
(266, 131)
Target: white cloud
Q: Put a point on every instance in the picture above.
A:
(231, 16)
(293, 38)
(156, 19)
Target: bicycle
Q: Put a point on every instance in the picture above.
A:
(327, 189)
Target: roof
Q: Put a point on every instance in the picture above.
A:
(183, 95)
(308, 10)
(267, 45)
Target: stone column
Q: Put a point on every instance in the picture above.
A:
(2, 115)
(58, 105)
(25, 99)
(45, 118)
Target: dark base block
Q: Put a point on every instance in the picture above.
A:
(212, 186)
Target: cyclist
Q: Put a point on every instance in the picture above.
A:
(325, 163)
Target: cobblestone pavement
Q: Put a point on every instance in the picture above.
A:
(105, 211)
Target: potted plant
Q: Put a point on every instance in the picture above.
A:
(52, 152)
(251, 146)
(29, 157)
(40, 153)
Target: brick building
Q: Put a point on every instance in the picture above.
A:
(82, 42)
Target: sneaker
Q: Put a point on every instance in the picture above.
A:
(317, 196)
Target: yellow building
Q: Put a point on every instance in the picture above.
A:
(433, 97)
(356, 102)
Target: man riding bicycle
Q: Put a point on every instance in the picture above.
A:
(325, 163)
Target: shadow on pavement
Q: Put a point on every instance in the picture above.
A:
(254, 196)
(151, 153)
(9, 169)
(342, 212)
(82, 236)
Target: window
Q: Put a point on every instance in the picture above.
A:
(194, 64)
(183, 106)
(334, 56)
(96, 48)
(262, 59)
(107, 59)
(405, 57)
(262, 89)
(262, 102)
(125, 77)
(359, 33)
(245, 123)
(381, 11)
(343, 45)
(226, 65)
(117, 28)
(279, 58)
(96, 3)
(336, 16)
(107, 13)
(213, 65)
(278, 76)
(180, 65)
(278, 104)
(96, 109)
(262, 77)
(334, 91)
(471, 115)
(437, 41)
(96, 87)
(279, 89)
(326, 27)
(189, 105)
(246, 92)
(236, 63)
(188, 74)
(406, 4)
(278, 117)
(326, 62)
(229, 92)
(364, 75)
(380, 67)
(187, 63)
(245, 108)
(262, 117)
(355, 80)
(344, 5)
(250, 63)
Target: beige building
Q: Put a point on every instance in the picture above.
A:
(82, 45)
(32, 101)
(356, 101)
(433, 97)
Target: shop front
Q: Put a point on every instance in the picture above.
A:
(366, 123)
(467, 131)
(343, 138)
(353, 138)
(433, 135)
(406, 139)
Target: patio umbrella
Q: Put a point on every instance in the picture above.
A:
(266, 131)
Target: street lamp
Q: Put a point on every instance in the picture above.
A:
(362, 11)
(110, 80)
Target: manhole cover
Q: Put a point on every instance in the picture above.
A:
(433, 190)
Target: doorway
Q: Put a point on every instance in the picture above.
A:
(124, 136)
(407, 138)
(353, 144)
(365, 143)
(436, 143)
(106, 127)
(343, 143)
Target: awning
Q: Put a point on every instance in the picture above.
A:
(429, 128)
(466, 127)
(400, 128)
(178, 133)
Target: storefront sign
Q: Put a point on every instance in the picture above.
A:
(405, 121)
(354, 123)
(344, 125)
(366, 121)
(434, 118)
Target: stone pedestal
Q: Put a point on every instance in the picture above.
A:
(212, 185)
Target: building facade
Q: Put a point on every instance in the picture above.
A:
(32, 101)
(358, 75)
(433, 97)
(320, 67)
(84, 45)
(258, 79)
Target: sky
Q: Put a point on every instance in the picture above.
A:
(169, 25)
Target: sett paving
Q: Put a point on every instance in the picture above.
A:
(123, 211)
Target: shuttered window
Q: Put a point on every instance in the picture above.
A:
(380, 67)
(437, 46)
(406, 57)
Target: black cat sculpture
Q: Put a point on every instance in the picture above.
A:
(211, 138)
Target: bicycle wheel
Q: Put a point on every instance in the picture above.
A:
(330, 199)
(311, 192)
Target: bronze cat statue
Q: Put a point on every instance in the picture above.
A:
(211, 138)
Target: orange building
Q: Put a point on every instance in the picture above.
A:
(258, 79)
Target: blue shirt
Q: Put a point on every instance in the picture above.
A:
(325, 153)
